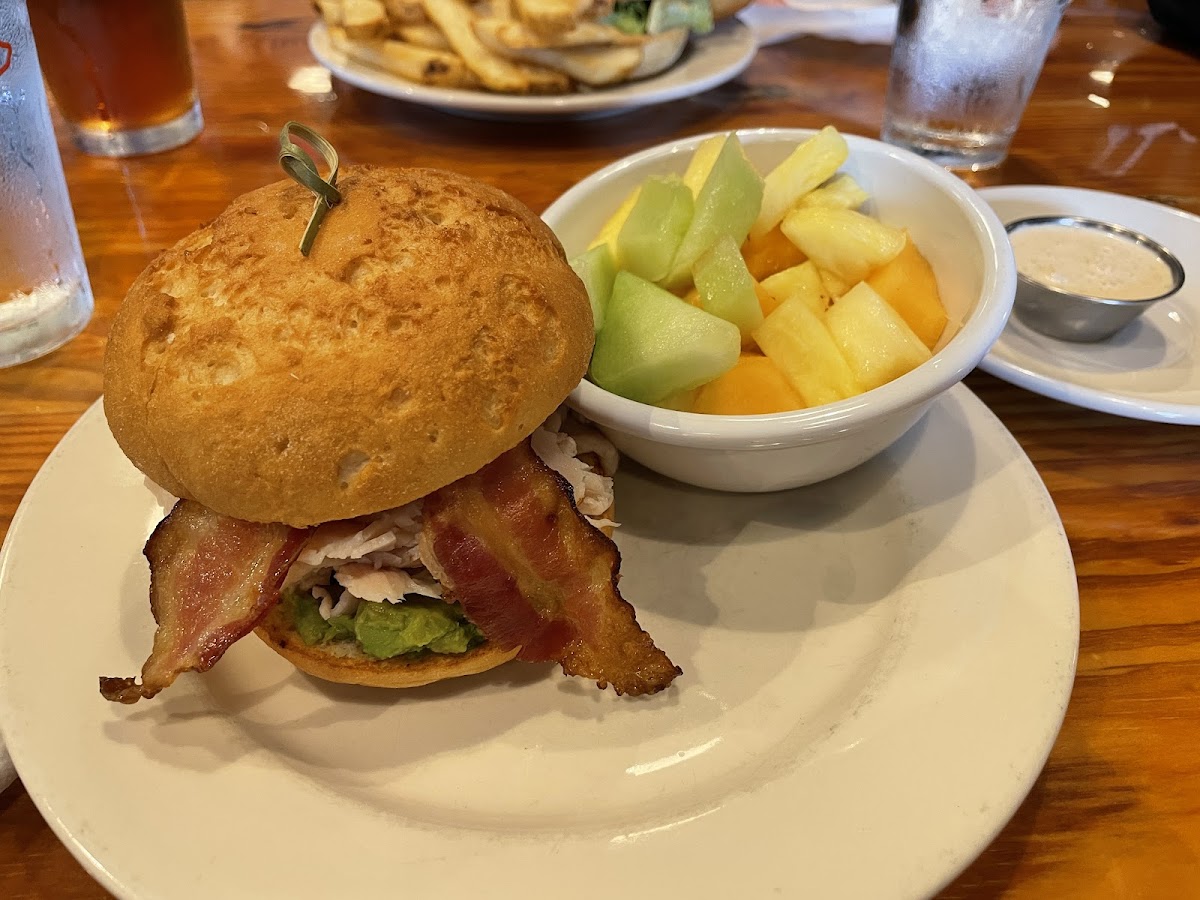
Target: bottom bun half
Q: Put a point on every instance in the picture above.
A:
(345, 663)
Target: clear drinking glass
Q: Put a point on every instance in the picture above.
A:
(120, 72)
(45, 296)
(961, 74)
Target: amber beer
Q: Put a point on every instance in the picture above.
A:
(120, 72)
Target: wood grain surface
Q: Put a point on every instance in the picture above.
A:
(1116, 813)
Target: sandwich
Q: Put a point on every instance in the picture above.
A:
(374, 469)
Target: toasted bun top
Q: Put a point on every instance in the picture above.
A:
(433, 326)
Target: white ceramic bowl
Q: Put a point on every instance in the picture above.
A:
(956, 230)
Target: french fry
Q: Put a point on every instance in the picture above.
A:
(551, 17)
(436, 68)
(518, 36)
(595, 65)
(456, 20)
(424, 34)
(330, 11)
(405, 12)
(364, 20)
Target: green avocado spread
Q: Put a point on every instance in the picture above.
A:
(385, 630)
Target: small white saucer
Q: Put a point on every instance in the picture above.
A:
(1151, 369)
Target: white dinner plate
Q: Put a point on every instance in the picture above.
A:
(874, 670)
(708, 60)
(8, 774)
(1148, 370)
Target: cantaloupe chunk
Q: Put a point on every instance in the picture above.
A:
(908, 284)
(770, 253)
(766, 302)
(754, 386)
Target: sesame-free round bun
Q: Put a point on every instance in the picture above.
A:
(433, 326)
(344, 661)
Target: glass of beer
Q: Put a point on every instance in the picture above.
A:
(120, 72)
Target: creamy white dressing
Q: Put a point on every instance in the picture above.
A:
(1090, 261)
(377, 559)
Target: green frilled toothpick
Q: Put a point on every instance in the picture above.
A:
(300, 166)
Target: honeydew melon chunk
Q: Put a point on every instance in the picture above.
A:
(726, 205)
(597, 269)
(876, 342)
(726, 287)
(654, 345)
(651, 235)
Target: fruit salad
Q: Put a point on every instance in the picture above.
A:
(728, 292)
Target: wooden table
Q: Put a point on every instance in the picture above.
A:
(1116, 813)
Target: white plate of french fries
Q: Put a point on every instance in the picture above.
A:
(520, 58)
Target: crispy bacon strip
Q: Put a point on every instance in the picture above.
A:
(530, 571)
(212, 579)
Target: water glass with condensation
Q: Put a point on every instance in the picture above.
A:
(961, 75)
(45, 295)
(120, 72)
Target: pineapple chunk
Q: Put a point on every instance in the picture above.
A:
(843, 241)
(702, 161)
(841, 192)
(611, 228)
(803, 281)
(908, 284)
(770, 253)
(808, 166)
(834, 285)
(797, 341)
(873, 338)
(754, 386)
